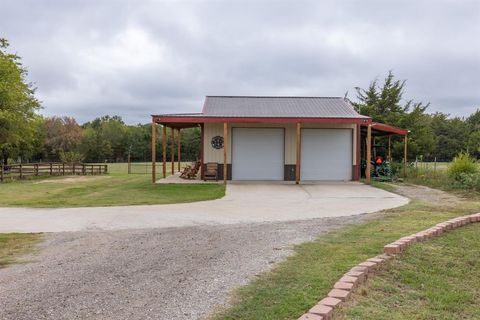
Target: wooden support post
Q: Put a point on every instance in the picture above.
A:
(63, 169)
(298, 152)
(179, 159)
(368, 171)
(154, 152)
(202, 139)
(358, 171)
(51, 168)
(21, 171)
(36, 169)
(164, 141)
(1, 172)
(73, 168)
(225, 148)
(129, 159)
(390, 149)
(405, 157)
(172, 151)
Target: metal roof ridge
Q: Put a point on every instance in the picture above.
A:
(299, 97)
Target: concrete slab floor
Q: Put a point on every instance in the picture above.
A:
(243, 203)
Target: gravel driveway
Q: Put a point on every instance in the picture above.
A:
(173, 273)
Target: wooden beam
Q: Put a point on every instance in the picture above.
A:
(172, 151)
(154, 152)
(405, 157)
(179, 159)
(358, 162)
(164, 140)
(202, 139)
(298, 152)
(225, 148)
(390, 149)
(368, 170)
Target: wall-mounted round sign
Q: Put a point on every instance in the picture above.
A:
(217, 142)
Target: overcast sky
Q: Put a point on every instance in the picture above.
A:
(136, 58)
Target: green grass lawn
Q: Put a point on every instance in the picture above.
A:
(438, 279)
(296, 284)
(14, 244)
(104, 190)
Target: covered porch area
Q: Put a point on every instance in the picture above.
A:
(173, 166)
(369, 134)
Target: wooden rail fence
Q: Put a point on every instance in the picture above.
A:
(24, 170)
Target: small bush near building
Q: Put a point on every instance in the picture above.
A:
(463, 164)
(461, 174)
(470, 181)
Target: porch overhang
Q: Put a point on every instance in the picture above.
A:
(381, 129)
(184, 120)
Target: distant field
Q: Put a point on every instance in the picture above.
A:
(139, 167)
(431, 165)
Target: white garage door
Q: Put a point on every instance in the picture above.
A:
(326, 154)
(257, 153)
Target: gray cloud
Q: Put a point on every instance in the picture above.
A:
(132, 58)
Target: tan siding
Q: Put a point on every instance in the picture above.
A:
(209, 153)
(216, 129)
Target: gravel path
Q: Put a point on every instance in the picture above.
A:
(175, 273)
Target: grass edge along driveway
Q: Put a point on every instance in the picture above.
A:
(106, 190)
(436, 279)
(299, 282)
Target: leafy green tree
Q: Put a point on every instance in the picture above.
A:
(61, 135)
(383, 103)
(17, 106)
(473, 143)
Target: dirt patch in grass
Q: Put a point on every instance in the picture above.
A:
(13, 245)
(72, 180)
(426, 194)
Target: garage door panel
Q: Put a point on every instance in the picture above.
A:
(257, 153)
(326, 154)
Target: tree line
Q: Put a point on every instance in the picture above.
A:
(105, 139)
(432, 135)
(27, 136)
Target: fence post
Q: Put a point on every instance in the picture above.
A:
(21, 171)
(106, 168)
(91, 169)
(416, 166)
(63, 168)
(435, 168)
(84, 172)
(51, 168)
(1, 173)
(129, 164)
(73, 168)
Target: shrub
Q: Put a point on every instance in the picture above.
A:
(70, 156)
(463, 163)
(470, 181)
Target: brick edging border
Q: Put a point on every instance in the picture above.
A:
(344, 287)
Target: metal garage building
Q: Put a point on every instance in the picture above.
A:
(279, 138)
